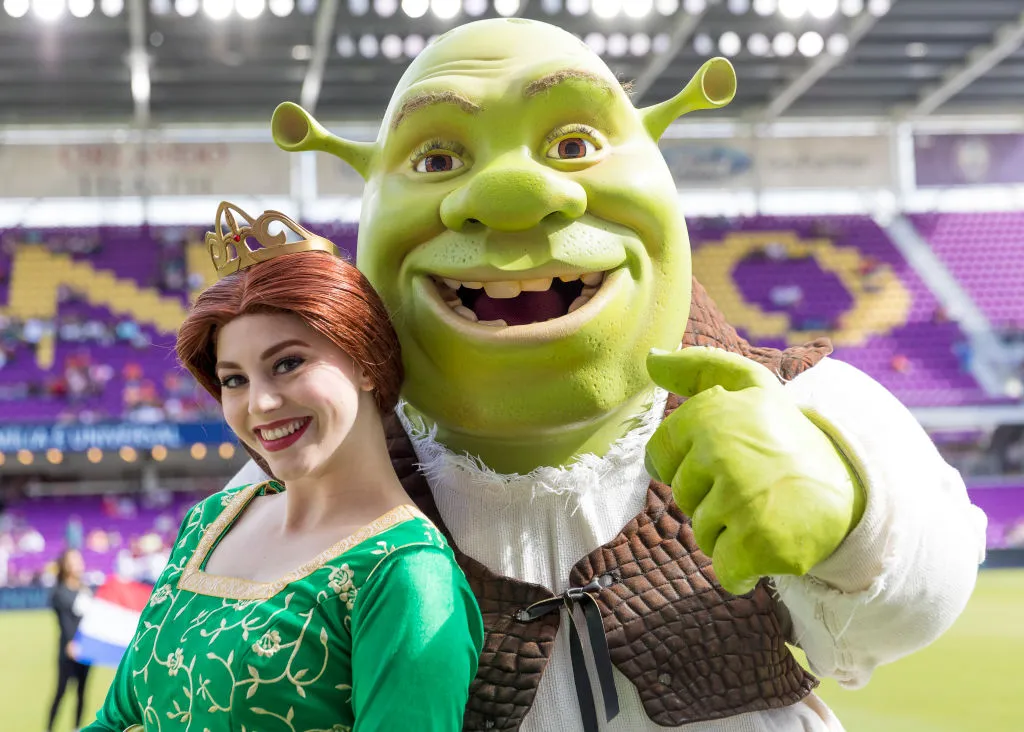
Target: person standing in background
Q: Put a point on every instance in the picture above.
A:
(68, 600)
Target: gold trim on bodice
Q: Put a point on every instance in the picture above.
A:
(194, 579)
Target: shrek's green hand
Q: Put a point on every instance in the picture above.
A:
(767, 491)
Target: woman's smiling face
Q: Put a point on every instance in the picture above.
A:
(288, 392)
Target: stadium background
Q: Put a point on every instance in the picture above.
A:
(867, 183)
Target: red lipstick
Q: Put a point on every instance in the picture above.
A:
(283, 442)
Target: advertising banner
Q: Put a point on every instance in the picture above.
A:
(80, 437)
(155, 169)
(968, 160)
(782, 162)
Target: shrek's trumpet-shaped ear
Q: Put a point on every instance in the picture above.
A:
(713, 86)
(295, 130)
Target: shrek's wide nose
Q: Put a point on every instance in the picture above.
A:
(513, 199)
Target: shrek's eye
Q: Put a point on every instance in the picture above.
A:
(437, 162)
(572, 148)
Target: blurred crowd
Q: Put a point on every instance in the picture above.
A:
(121, 540)
(84, 384)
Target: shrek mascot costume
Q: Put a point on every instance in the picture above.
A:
(645, 526)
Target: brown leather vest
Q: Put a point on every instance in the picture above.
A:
(693, 651)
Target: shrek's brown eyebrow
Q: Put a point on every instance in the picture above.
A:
(560, 77)
(429, 99)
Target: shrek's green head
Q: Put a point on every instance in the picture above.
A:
(522, 226)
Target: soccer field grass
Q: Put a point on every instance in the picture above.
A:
(970, 679)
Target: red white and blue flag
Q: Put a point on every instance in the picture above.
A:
(108, 624)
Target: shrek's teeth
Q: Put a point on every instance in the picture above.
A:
(493, 323)
(506, 289)
(502, 290)
(464, 312)
(541, 284)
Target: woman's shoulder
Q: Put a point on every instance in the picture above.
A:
(398, 533)
(402, 527)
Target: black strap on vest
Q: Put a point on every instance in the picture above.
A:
(582, 597)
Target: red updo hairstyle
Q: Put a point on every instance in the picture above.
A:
(328, 293)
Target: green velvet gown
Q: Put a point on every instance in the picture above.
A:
(380, 632)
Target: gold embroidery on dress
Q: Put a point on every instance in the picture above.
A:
(194, 579)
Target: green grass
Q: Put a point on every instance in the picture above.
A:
(970, 679)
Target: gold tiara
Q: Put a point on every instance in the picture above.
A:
(229, 242)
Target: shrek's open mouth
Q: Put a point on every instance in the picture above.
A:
(504, 303)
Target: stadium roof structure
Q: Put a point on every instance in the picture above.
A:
(77, 62)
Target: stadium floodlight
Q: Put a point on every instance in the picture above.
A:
(606, 8)
(81, 8)
(358, 8)
(577, 7)
(837, 44)
(445, 9)
(851, 8)
(661, 43)
(639, 44)
(729, 44)
(703, 44)
(618, 44)
(758, 44)
(695, 7)
(186, 8)
(250, 9)
(474, 8)
(16, 8)
(391, 46)
(217, 9)
(345, 46)
(764, 8)
(414, 45)
(385, 8)
(368, 46)
(596, 42)
(281, 8)
(160, 7)
(666, 7)
(302, 52)
(738, 7)
(823, 9)
(811, 44)
(141, 87)
(415, 8)
(551, 7)
(506, 8)
(792, 9)
(112, 8)
(638, 8)
(878, 8)
(784, 44)
(307, 7)
(48, 10)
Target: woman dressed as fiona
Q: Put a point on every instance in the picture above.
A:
(321, 601)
